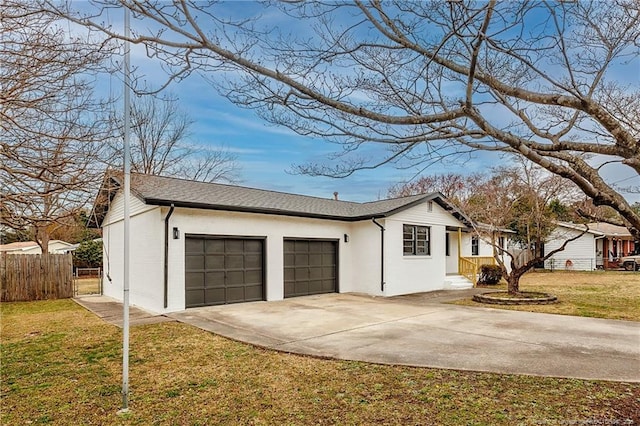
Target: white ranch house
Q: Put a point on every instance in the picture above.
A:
(197, 244)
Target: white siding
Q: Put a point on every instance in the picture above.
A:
(411, 274)
(146, 262)
(365, 247)
(484, 249)
(421, 214)
(579, 255)
(116, 209)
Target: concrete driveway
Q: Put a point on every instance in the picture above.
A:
(419, 330)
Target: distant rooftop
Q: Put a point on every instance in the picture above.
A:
(610, 230)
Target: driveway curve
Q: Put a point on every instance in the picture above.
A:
(419, 330)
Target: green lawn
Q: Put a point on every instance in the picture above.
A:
(62, 365)
(599, 294)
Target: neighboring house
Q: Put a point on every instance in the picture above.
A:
(197, 244)
(31, 247)
(578, 255)
(599, 248)
(617, 242)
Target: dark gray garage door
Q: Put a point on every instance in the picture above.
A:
(221, 270)
(310, 267)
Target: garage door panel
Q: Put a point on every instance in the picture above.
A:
(214, 279)
(194, 297)
(235, 294)
(315, 273)
(309, 267)
(302, 274)
(221, 270)
(194, 280)
(289, 274)
(301, 287)
(253, 277)
(214, 246)
(234, 246)
(214, 261)
(289, 288)
(328, 272)
(194, 261)
(214, 296)
(193, 246)
(253, 261)
(234, 278)
(328, 246)
(234, 261)
(301, 246)
(253, 293)
(315, 260)
(315, 287)
(253, 246)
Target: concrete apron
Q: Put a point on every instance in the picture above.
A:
(388, 331)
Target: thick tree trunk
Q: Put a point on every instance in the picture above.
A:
(42, 238)
(513, 280)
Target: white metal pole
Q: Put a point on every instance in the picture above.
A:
(127, 219)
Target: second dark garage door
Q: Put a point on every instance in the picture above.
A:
(221, 270)
(310, 267)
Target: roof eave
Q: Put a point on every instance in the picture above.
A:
(243, 209)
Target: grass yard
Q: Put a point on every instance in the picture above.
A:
(89, 285)
(599, 294)
(62, 365)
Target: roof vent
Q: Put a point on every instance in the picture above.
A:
(335, 195)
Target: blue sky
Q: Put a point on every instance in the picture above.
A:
(266, 153)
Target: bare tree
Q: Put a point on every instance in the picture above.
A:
(50, 121)
(427, 79)
(520, 198)
(160, 145)
(458, 188)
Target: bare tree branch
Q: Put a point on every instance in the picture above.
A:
(51, 123)
(161, 144)
(533, 78)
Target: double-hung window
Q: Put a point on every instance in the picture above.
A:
(475, 246)
(416, 240)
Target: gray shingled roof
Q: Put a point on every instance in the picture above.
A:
(165, 191)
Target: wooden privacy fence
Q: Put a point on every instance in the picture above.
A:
(35, 277)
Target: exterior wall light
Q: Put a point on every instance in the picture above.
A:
(346, 238)
(176, 233)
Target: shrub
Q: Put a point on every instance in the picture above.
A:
(490, 274)
(88, 254)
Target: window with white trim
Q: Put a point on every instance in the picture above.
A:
(416, 240)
